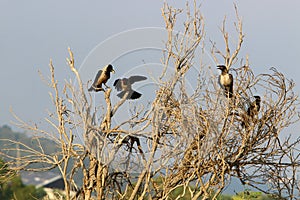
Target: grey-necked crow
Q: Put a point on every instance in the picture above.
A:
(125, 84)
(226, 81)
(101, 77)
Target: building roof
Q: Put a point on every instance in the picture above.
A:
(42, 179)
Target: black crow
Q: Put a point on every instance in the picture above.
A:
(124, 85)
(101, 77)
(226, 81)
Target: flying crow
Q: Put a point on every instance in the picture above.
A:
(226, 81)
(101, 77)
(124, 85)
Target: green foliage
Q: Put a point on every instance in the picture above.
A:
(182, 192)
(3, 169)
(251, 195)
(13, 188)
(224, 197)
(245, 195)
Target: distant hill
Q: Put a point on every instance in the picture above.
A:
(49, 147)
(6, 132)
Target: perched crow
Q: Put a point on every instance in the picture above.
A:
(101, 77)
(124, 85)
(226, 81)
(254, 107)
(252, 110)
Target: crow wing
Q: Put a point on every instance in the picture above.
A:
(131, 94)
(135, 95)
(231, 85)
(97, 78)
(133, 79)
(118, 84)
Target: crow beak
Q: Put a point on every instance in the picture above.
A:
(221, 67)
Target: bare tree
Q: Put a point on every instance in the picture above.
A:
(196, 142)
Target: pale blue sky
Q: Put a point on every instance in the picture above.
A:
(34, 31)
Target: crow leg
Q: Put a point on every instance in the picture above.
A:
(105, 85)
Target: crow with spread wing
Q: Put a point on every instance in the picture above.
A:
(124, 85)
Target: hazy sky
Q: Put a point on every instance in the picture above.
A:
(32, 32)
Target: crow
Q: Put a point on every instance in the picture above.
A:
(101, 77)
(252, 111)
(254, 107)
(125, 84)
(226, 81)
